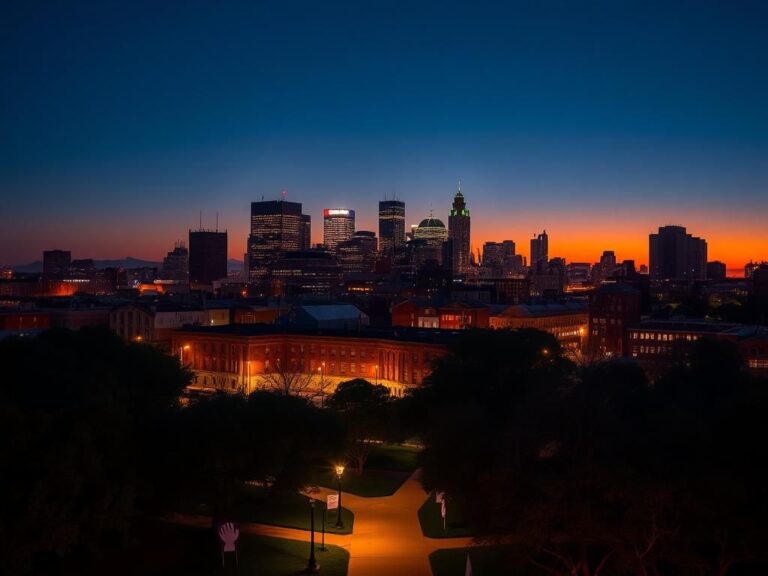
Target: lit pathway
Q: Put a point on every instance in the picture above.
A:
(387, 536)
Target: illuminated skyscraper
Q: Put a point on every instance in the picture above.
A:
(391, 227)
(277, 226)
(458, 234)
(338, 226)
(358, 254)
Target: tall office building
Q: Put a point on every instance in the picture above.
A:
(458, 234)
(391, 227)
(306, 241)
(338, 226)
(56, 264)
(176, 264)
(207, 256)
(496, 253)
(539, 249)
(676, 255)
(277, 226)
(358, 254)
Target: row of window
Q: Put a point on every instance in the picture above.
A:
(664, 337)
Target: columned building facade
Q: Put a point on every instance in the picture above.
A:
(236, 359)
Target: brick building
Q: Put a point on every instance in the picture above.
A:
(235, 358)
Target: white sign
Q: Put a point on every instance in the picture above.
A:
(332, 502)
(229, 533)
(439, 497)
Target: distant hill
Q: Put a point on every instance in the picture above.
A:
(234, 265)
(127, 262)
(36, 267)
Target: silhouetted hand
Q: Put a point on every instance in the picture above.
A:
(229, 534)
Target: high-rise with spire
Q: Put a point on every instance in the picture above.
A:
(458, 234)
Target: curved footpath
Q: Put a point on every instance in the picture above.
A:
(387, 537)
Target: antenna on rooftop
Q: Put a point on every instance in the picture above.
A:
(217, 221)
(201, 220)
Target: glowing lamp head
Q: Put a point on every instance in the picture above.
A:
(186, 346)
(339, 470)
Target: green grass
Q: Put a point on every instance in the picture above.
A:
(173, 550)
(394, 457)
(370, 484)
(388, 466)
(432, 522)
(287, 509)
(290, 510)
(486, 561)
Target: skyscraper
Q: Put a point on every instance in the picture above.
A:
(207, 256)
(676, 255)
(277, 226)
(176, 264)
(391, 227)
(458, 234)
(358, 254)
(539, 249)
(56, 264)
(338, 226)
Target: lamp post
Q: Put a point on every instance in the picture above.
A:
(248, 382)
(181, 353)
(312, 566)
(339, 472)
(322, 385)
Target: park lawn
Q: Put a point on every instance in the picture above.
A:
(173, 550)
(286, 509)
(388, 466)
(432, 522)
(394, 457)
(371, 483)
(290, 510)
(486, 561)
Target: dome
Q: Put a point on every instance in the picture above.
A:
(431, 223)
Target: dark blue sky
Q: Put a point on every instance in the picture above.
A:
(596, 120)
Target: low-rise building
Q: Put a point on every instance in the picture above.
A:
(567, 321)
(435, 313)
(237, 358)
(154, 323)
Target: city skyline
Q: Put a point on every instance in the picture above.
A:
(568, 244)
(597, 123)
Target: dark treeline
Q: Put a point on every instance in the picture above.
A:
(95, 441)
(577, 470)
(595, 470)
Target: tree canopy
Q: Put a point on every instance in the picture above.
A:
(80, 415)
(594, 470)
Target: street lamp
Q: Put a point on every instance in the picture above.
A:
(181, 353)
(312, 566)
(376, 372)
(339, 473)
(248, 383)
(322, 385)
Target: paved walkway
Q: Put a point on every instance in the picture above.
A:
(387, 536)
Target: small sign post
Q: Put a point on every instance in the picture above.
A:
(332, 501)
(228, 534)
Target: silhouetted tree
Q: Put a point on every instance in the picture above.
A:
(365, 409)
(82, 442)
